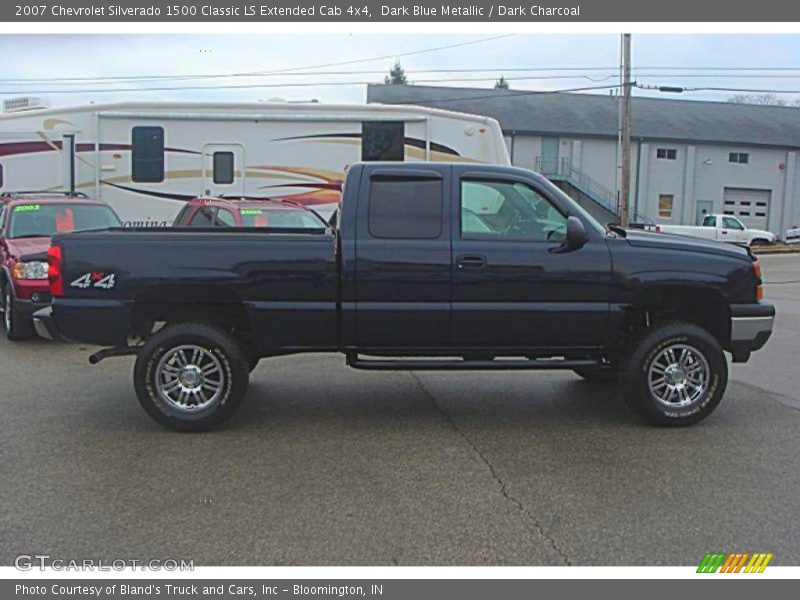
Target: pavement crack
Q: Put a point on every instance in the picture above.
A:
(503, 487)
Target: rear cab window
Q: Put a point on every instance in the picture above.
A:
(405, 207)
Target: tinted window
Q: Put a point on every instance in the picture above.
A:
(2, 176)
(147, 154)
(405, 208)
(223, 167)
(710, 221)
(383, 140)
(33, 220)
(203, 217)
(2, 218)
(508, 211)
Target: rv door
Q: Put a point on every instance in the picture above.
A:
(223, 170)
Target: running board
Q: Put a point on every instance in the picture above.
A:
(356, 362)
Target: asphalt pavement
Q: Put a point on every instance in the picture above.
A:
(326, 465)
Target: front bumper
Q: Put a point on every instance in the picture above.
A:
(26, 308)
(751, 327)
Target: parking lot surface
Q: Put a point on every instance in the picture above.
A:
(326, 465)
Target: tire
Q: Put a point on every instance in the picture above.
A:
(14, 327)
(685, 399)
(191, 377)
(760, 242)
(598, 375)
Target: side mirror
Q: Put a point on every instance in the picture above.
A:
(576, 234)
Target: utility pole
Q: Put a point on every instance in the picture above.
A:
(625, 135)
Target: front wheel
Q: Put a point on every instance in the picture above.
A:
(15, 328)
(676, 375)
(191, 377)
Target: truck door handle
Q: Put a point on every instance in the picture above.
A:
(471, 261)
(724, 232)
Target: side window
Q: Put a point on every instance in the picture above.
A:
(383, 140)
(2, 219)
(513, 211)
(225, 218)
(710, 221)
(223, 167)
(2, 176)
(147, 154)
(731, 223)
(405, 208)
(665, 202)
(203, 217)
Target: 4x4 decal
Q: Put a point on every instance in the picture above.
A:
(95, 279)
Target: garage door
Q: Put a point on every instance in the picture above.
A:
(751, 206)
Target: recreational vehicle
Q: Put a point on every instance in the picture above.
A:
(147, 160)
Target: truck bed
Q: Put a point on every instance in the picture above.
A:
(292, 277)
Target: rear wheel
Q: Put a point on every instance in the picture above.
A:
(676, 375)
(191, 377)
(14, 327)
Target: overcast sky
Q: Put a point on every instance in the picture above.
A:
(593, 56)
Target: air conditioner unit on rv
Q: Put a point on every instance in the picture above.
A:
(24, 103)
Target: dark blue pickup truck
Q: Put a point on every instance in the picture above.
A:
(425, 266)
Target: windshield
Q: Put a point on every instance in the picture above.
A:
(45, 220)
(280, 218)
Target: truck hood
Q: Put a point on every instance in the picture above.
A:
(648, 239)
(22, 247)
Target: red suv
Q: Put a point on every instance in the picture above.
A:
(247, 212)
(27, 221)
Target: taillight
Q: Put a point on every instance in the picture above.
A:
(54, 271)
(759, 281)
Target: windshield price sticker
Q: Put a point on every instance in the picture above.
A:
(26, 208)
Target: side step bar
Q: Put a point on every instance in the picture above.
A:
(378, 364)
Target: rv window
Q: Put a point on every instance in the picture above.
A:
(147, 154)
(383, 140)
(405, 208)
(223, 167)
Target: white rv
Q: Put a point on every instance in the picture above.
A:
(147, 159)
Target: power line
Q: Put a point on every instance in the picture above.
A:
(301, 72)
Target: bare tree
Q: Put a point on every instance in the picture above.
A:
(762, 99)
(396, 76)
(501, 84)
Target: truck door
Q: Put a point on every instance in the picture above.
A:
(402, 264)
(732, 230)
(223, 170)
(512, 287)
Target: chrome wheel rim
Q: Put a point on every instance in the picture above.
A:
(189, 378)
(7, 312)
(679, 376)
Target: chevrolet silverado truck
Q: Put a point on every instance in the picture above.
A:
(425, 266)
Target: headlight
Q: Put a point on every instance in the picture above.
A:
(35, 269)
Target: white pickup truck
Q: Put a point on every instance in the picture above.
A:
(722, 228)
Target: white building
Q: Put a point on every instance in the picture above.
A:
(688, 158)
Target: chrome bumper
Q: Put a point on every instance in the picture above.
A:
(749, 328)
